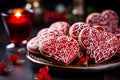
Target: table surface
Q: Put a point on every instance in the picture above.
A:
(27, 70)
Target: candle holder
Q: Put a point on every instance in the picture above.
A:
(18, 24)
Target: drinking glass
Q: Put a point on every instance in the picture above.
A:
(18, 24)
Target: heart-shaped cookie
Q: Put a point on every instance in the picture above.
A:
(85, 36)
(99, 28)
(118, 36)
(76, 28)
(60, 28)
(62, 50)
(32, 45)
(42, 32)
(108, 19)
(102, 45)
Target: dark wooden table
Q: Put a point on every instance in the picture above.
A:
(27, 70)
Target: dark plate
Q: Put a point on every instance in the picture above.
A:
(71, 68)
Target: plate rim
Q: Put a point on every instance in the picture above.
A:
(103, 67)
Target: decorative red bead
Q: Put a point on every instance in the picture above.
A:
(83, 61)
(2, 67)
(13, 58)
(43, 74)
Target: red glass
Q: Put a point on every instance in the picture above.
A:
(18, 27)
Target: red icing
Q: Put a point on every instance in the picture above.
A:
(108, 19)
(102, 45)
(33, 44)
(63, 50)
(76, 28)
(99, 28)
(59, 28)
(118, 36)
(116, 30)
(42, 32)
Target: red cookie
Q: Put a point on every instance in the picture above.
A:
(59, 28)
(47, 36)
(118, 36)
(42, 32)
(102, 45)
(99, 28)
(108, 19)
(116, 30)
(32, 44)
(84, 36)
(62, 50)
(76, 28)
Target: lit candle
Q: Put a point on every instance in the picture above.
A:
(19, 24)
(17, 14)
(18, 17)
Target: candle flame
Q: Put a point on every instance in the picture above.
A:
(18, 14)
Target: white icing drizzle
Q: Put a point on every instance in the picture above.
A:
(42, 32)
(33, 44)
(102, 45)
(108, 19)
(62, 49)
(76, 28)
(60, 28)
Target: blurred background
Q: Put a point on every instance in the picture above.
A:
(49, 11)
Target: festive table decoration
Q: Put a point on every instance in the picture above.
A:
(14, 59)
(83, 61)
(2, 67)
(43, 74)
(18, 24)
